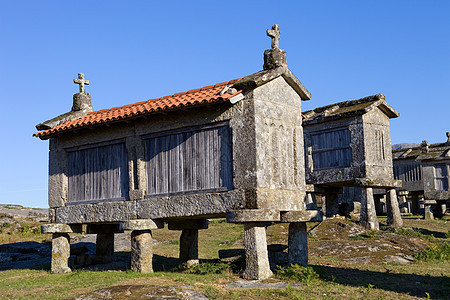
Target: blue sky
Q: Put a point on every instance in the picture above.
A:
(137, 50)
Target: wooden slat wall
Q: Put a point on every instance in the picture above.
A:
(408, 172)
(189, 161)
(331, 149)
(98, 173)
(441, 177)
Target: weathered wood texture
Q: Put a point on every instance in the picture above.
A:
(408, 172)
(98, 173)
(331, 149)
(188, 160)
(440, 172)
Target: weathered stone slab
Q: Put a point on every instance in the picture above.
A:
(232, 255)
(142, 251)
(142, 224)
(253, 215)
(301, 216)
(56, 228)
(256, 255)
(136, 195)
(188, 224)
(377, 182)
(429, 202)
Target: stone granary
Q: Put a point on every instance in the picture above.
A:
(425, 172)
(234, 150)
(348, 144)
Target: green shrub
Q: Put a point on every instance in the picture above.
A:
(440, 251)
(207, 268)
(297, 273)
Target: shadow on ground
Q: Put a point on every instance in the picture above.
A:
(412, 284)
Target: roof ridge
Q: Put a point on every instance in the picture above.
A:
(165, 97)
(204, 95)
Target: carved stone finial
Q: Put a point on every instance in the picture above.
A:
(274, 33)
(274, 57)
(425, 146)
(81, 81)
(448, 137)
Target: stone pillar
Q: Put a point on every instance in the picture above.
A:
(428, 208)
(394, 219)
(310, 201)
(402, 202)
(442, 206)
(428, 212)
(60, 253)
(331, 205)
(142, 251)
(368, 215)
(141, 242)
(256, 255)
(188, 248)
(298, 244)
(104, 248)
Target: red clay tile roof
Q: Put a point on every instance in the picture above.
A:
(206, 95)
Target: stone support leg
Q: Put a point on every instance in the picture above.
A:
(368, 217)
(428, 212)
(256, 255)
(104, 248)
(394, 219)
(331, 205)
(60, 253)
(310, 201)
(188, 248)
(298, 244)
(402, 204)
(142, 251)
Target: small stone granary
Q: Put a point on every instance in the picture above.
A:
(234, 150)
(348, 144)
(425, 172)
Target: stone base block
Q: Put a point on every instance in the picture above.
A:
(56, 228)
(301, 216)
(142, 224)
(253, 215)
(188, 224)
(104, 228)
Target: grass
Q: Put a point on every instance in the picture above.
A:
(327, 277)
(297, 273)
(436, 252)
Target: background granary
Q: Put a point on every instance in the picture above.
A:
(348, 144)
(425, 173)
(233, 150)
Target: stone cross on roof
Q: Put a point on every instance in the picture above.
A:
(81, 81)
(274, 33)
